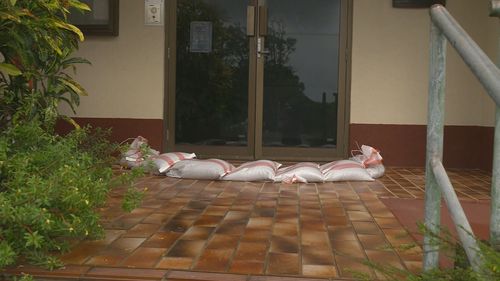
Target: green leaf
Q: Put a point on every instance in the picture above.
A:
(71, 121)
(70, 27)
(54, 45)
(71, 61)
(10, 69)
(13, 2)
(79, 5)
(73, 85)
(33, 239)
(7, 254)
(4, 15)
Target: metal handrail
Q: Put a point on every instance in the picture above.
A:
(444, 26)
(484, 69)
(462, 225)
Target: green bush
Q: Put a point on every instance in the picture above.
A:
(50, 187)
(36, 47)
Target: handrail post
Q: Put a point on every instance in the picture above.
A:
(495, 181)
(495, 187)
(457, 214)
(435, 131)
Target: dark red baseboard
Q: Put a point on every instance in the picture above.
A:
(404, 145)
(401, 145)
(122, 128)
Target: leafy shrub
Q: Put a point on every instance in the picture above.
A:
(50, 187)
(36, 47)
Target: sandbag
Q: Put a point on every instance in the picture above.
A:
(300, 173)
(372, 155)
(371, 159)
(260, 170)
(138, 154)
(166, 160)
(345, 170)
(210, 169)
(376, 171)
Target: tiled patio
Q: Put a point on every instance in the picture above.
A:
(203, 230)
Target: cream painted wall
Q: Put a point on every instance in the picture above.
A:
(126, 77)
(390, 64)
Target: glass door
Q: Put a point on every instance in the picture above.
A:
(253, 79)
(211, 78)
(303, 79)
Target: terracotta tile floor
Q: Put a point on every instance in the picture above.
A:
(203, 230)
(410, 183)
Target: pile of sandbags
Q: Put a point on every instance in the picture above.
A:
(366, 165)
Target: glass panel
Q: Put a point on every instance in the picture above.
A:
(212, 73)
(301, 73)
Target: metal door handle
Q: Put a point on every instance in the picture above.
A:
(260, 47)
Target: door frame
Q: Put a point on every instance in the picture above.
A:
(255, 150)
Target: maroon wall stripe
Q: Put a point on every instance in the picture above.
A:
(122, 128)
(404, 145)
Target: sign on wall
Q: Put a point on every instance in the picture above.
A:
(200, 37)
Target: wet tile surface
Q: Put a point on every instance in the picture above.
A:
(410, 183)
(257, 231)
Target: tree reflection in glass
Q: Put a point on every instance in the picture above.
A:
(212, 87)
(301, 74)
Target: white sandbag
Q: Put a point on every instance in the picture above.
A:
(138, 154)
(301, 172)
(373, 156)
(260, 170)
(166, 160)
(345, 170)
(210, 169)
(376, 171)
(371, 159)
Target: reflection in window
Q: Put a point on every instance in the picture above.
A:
(300, 78)
(212, 82)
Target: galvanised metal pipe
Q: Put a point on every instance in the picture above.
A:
(484, 69)
(495, 187)
(435, 127)
(462, 225)
(495, 181)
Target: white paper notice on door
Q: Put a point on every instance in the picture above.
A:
(200, 37)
